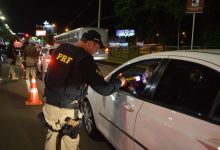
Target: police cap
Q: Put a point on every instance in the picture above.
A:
(93, 36)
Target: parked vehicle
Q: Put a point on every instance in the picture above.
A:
(76, 34)
(171, 102)
(3, 55)
(44, 59)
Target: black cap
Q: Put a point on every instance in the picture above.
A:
(93, 36)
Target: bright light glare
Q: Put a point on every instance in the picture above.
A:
(47, 60)
(137, 78)
(2, 18)
(106, 50)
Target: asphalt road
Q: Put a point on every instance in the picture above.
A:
(19, 127)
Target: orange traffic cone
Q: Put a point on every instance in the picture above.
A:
(33, 96)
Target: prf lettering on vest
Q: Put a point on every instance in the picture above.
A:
(64, 58)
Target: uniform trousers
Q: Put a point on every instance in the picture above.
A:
(30, 71)
(55, 117)
(11, 71)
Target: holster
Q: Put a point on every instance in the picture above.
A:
(44, 123)
(71, 128)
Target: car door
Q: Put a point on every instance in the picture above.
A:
(184, 110)
(118, 111)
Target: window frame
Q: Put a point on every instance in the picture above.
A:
(215, 106)
(161, 61)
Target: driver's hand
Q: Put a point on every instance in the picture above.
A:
(123, 81)
(120, 75)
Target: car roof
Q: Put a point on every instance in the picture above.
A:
(209, 55)
(53, 47)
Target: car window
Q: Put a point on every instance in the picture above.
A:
(138, 76)
(44, 51)
(217, 114)
(51, 51)
(188, 87)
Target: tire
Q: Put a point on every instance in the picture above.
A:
(89, 121)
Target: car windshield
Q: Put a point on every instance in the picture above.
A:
(44, 51)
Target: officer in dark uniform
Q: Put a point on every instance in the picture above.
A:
(72, 68)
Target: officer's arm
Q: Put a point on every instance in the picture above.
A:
(93, 77)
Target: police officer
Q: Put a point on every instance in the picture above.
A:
(30, 56)
(13, 57)
(72, 68)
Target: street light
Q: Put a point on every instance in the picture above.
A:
(183, 33)
(54, 28)
(7, 26)
(2, 18)
(66, 29)
(183, 38)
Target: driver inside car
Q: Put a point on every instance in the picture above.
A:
(148, 74)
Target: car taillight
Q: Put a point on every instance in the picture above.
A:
(47, 60)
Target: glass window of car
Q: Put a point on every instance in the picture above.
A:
(217, 114)
(44, 51)
(138, 76)
(188, 87)
(51, 51)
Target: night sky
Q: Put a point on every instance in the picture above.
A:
(24, 15)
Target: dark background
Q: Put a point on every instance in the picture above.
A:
(23, 15)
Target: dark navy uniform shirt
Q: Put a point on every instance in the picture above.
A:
(71, 69)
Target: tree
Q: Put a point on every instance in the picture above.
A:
(150, 17)
(208, 31)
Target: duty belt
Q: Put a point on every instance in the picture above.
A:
(68, 106)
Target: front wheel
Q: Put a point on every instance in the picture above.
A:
(89, 121)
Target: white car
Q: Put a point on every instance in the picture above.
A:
(171, 102)
(44, 59)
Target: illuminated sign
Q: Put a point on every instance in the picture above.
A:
(18, 44)
(195, 6)
(40, 32)
(125, 33)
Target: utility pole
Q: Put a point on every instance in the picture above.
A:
(194, 6)
(191, 47)
(178, 35)
(99, 13)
